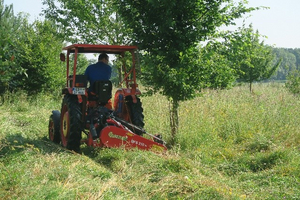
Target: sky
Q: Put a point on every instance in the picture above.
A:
(280, 23)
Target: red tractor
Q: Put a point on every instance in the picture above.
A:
(82, 112)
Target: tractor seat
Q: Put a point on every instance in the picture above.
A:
(102, 91)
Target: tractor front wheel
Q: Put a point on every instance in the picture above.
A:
(70, 129)
(54, 126)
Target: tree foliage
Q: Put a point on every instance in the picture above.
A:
(38, 54)
(10, 29)
(82, 63)
(293, 82)
(251, 59)
(256, 60)
(216, 66)
(169, 31)
(89, 21)
(289, 62)
(30, 53)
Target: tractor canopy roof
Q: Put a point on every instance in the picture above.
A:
(99, 48)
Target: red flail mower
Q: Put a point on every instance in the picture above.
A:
(92, 114)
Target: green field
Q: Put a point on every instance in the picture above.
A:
(231, 145)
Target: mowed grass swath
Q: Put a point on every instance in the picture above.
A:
(231, 145)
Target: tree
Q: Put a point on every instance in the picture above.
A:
(82, 63)
(293, 82)
(10, 28)
(89, 21)
(251, 58)
(288, 63)
(168, 32)
(216, 66)
(296, 53)
(30, 53)
(38, 53)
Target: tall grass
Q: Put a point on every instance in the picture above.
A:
(231, 145)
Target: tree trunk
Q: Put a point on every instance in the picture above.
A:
(250, 87)
(174, 122)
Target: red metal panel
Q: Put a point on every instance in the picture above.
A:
(99, 48)
(112, 136)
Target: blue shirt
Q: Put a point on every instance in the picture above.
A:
(98, 72)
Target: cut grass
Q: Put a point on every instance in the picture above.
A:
(231, 145)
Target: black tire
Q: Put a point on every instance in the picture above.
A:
(71, 123)
(136, 111)
(54, 127)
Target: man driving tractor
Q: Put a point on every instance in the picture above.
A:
(99, 71)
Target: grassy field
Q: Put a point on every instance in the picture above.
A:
(231, 145)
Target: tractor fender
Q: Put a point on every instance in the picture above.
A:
(124, 92)
(119, 102)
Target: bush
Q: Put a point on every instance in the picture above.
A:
(293, 82)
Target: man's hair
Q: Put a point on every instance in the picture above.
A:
(103, 55)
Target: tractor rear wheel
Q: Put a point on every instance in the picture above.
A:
(136, 111)
(54, 127)
(71, 123)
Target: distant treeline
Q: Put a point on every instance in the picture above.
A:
(290, 62)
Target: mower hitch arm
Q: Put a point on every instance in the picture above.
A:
(137, 129)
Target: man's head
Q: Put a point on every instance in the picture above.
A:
(103, 57)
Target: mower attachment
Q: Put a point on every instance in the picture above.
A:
(118, 133)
